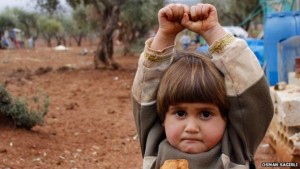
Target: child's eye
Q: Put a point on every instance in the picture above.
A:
(180, 113)
(205, 115)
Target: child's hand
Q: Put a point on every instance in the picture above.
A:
(169, 18)
(203, 20)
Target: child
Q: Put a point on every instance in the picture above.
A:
(184, 121)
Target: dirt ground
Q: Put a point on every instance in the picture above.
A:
(89, 124)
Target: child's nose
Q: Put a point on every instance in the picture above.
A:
(192, 126)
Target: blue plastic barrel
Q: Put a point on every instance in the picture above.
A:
(297, 16)
(257, 46)
(278, 27)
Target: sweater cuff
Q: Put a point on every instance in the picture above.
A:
(221, 44)
(157, 55)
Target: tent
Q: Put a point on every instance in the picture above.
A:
(12, 38)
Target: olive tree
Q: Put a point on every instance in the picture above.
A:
(136, 18)
(50, 28)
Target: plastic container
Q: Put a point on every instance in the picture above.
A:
(257, 46)
(297, 17)
(278, 27)
(288, 52)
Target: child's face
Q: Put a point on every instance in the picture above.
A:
(194, 127)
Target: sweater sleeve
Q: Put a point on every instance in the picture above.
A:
(251, 107)
(151, 65)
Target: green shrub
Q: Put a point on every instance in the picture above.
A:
(19, 110)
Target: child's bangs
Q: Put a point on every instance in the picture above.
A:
(195, 86)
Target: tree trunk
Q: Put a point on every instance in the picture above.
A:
(78, 39)
(124, 36)
(128, 39)
(104, 52)
(49, 43)
(48, 40)
(127, 50)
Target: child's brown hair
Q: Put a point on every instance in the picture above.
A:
(192, 78)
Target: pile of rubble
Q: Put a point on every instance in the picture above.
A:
(285, 127)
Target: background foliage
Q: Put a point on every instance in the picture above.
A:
(20, 112)
(93, 18)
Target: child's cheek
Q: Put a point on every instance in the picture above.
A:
(173, 134)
